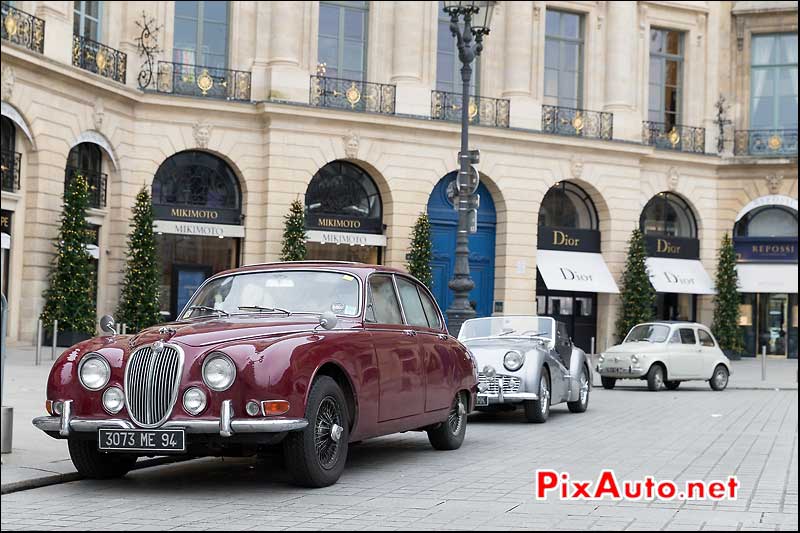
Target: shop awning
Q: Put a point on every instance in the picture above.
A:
(686, 276)
(93, 250)
(342, 237)
(767, 278)
(575, 271)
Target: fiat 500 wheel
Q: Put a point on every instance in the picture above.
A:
(580, 405)
(537, 411)
(655, 378)
(720, 378)
(94, 464)
(449, 435)
(315, 456)
(608, 383)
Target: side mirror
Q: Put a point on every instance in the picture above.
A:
(328, 320)
(108, 325)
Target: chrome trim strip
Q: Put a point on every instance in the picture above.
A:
(52, 424)
(225, 417)
(512, 396)
(66, 417)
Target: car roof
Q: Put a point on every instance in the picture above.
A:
(352, 267)
(674, 323)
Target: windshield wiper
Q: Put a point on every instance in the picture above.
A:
(207, 308)
(264, 309)
(509, 332)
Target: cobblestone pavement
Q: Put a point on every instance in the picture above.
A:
(399, 482)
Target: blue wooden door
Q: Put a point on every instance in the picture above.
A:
(444, 225)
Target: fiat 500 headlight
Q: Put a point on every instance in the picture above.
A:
(218, 372)
(94, 371)
(635, 359)
(513, 360)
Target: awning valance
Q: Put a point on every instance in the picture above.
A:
(767, 278)
(686, 276)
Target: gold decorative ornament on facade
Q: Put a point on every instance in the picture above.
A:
(353, 95)
(775, 142)
(205, 82)
(674, 137)
(100, 60)
(577, 122)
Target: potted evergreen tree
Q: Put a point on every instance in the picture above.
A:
(726, 302)
(294, 233)
(421, 252)
(139, 302)
(637, 296)
(69, 297)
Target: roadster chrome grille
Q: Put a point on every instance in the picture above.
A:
(151, 384)
(510, 383)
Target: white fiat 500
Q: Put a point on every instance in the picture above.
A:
(664, 354)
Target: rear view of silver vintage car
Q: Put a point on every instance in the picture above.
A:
(527, 361)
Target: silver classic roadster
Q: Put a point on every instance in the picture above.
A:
(528, 361)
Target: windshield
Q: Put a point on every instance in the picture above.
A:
(507, 326)
(648, 332)
(277, 292)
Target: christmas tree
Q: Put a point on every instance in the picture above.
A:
(637, 297)
(139, 307)
(421, 253)
(726, 301)
(69, 297)
(294, 234)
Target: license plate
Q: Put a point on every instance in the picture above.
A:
(616, 370)
(481, 401)
(142, 440)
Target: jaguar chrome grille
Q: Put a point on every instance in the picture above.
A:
(151, 384)
(510, 384)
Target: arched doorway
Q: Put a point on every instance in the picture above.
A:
(765, 239)
(444, 225)
(570, 269)
(344, 215)
(673, 248)
(197, 202)
(10, 161)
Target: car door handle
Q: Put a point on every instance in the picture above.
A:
(410, 332)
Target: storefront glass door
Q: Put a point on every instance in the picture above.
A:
(769, 320)
(773, 313)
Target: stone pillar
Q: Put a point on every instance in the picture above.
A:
(413, 94)
(621, 69)
(286, 78)
(519, 23)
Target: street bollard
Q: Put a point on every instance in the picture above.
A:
(764, 363)
(38, 343)
(592, 352)
(55, 340)
(124, 329)
(6, 412)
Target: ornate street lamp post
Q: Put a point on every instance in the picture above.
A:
(469, 23)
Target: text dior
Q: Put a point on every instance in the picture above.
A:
(666, 247)
(680, 280)
(571, 275)
(561, 238)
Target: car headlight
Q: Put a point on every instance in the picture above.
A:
(635, 359)
(194, 401)
(601, 359)
(113, 400)
(513, 360)
(218, 372)
(489, 371)
(94, 371)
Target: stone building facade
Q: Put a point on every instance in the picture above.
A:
(290, 100)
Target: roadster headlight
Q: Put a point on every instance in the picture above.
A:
(513, 360)
(94, 371)
(489, 371)
(635, 359)
(601, 359)
(113, 400)
(194, 401)
(218, 372)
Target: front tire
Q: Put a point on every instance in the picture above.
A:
(608, 383)
(719, 380)
(655, 378)
(672, 385)
(94, 464)
(316, 456)
(580, 405)
(449, 435)
(537, 411)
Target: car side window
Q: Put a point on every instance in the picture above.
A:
(412, 305)
(676, 337)
(705, 338)
(431, 311)
(383, 306)
(687, 336)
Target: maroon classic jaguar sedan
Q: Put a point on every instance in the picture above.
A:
(308, 355)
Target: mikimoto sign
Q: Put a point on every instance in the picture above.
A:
(198, 229)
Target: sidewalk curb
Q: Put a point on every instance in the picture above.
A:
(53, 478)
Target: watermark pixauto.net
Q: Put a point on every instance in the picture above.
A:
(550, 483)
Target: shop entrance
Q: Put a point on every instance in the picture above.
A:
(576, 310)
(769, 320)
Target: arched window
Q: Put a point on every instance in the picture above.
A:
(86, 159)
(9, 159)
(767, 221)
(199, 186)
(668, 214)
(568, 206)
(342, 196)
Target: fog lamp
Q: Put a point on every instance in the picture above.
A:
(252, 408)
(194, 401)
(489, 371)
(113, 400)
(54, 408)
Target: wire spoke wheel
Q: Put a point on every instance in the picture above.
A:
(327, 431)
(456, 417)
(544, 394)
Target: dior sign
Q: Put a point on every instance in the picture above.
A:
(681, 279)
(569, 239)
(570, 274)
(676, 247)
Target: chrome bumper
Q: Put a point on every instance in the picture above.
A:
(226, 426)
(621, 372)
(509, 397)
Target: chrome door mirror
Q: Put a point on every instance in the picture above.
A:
(328, 320)
(108, 325)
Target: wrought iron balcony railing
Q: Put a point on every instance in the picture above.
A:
(765, 143)
(99, 58)
(484, 111)
(19, 27)
(678, 137)
(97, 184)
(206, 82)
(352, 94)
(577, 122)
(9, 168)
